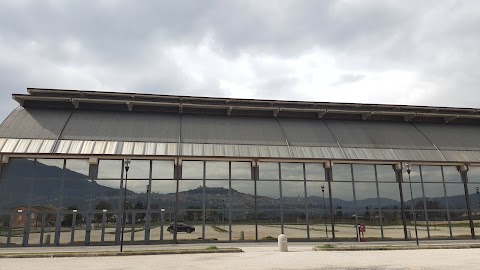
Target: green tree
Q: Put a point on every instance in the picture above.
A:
(68, 218)
(101, 205)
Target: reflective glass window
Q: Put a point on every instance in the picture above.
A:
(314, 171)
(342, 172)
(432, 174)
(292, 171)
(241, 170)
(139, 169)
(389, 195)
(268, 171)
(162, 169)
(110, 169)
(451, 174)
(192, 169)
(385, 173)
(217, 170)
(364, 172)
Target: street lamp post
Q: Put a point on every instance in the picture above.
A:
(413, 211)
(324, 213)
(127, 166)
(478, 197)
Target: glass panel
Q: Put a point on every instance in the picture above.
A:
(474, 196)
(385, 173)
(366, 195)
(295, 224)
(371, 219)
(292, 171)
(451, 174)
(162, 169)
(77, 168)
(389, 196)
(46, 193)
(268, 171)
(110, 169)
(216, 221)
(269, 225)
(320, 226)
(216, 194)
(476, 221)
(417, 195)
(49, 168)
(421, 225)
(364, 173)
(293, 195)
(456, 196)
(438, 224)
(392, 225)
(16, 183)
(189, 226)
(192, 169)
(216, 170)
(268, 194)
(434, 195)
(190, 194)
(343, 204)
(139, 169)
(342, 172)
(4, 225)
(461, 224)
(163, 194)
(314, 171)
(158, 220)
(315, 196)
(414, 175)
(473, 174)
(243, 194)
(243, 225)
(432, 174)
(241, 170)
(105, 192)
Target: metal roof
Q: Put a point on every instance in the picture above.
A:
(174, 127)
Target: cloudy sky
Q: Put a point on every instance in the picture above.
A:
(400, 52)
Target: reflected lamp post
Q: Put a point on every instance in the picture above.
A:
(478, 197)
(324, 213)
(127, 166)
(411, 195)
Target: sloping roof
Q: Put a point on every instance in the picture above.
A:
(56, 129)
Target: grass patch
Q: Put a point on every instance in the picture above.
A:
(212, 248)
(326, 246)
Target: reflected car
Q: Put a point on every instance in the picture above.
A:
(181, 227)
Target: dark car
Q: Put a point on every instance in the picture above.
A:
(181, 227)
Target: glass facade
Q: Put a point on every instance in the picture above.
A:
(76, 202)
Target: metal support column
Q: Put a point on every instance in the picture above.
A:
(463, 173)
(399, 179)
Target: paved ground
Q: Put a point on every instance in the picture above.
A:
(259, 256)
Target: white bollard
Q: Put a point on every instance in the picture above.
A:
(282, 243)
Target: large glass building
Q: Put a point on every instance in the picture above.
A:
(225, 169)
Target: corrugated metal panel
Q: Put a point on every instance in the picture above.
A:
(10, 145)
(452, 136)
(34, 123)
(75, 147)
(418, 155)
(307, 132)
(378, 135)
(64, 146)
(231, 130)
(2, 143)
(47, 146)
(34, 146)
(150, 149)
(87, 147)
(122, 126)
(99, 147)
(139, 148)
(22, 146)
(110, 148)
(128, 148)
(462, 156)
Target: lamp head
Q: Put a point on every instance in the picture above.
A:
(323, 188)
(127, 164)
(407, 165)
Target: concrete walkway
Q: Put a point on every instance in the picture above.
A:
(257, 256)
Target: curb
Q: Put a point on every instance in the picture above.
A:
(396, 248)
(115, 253)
